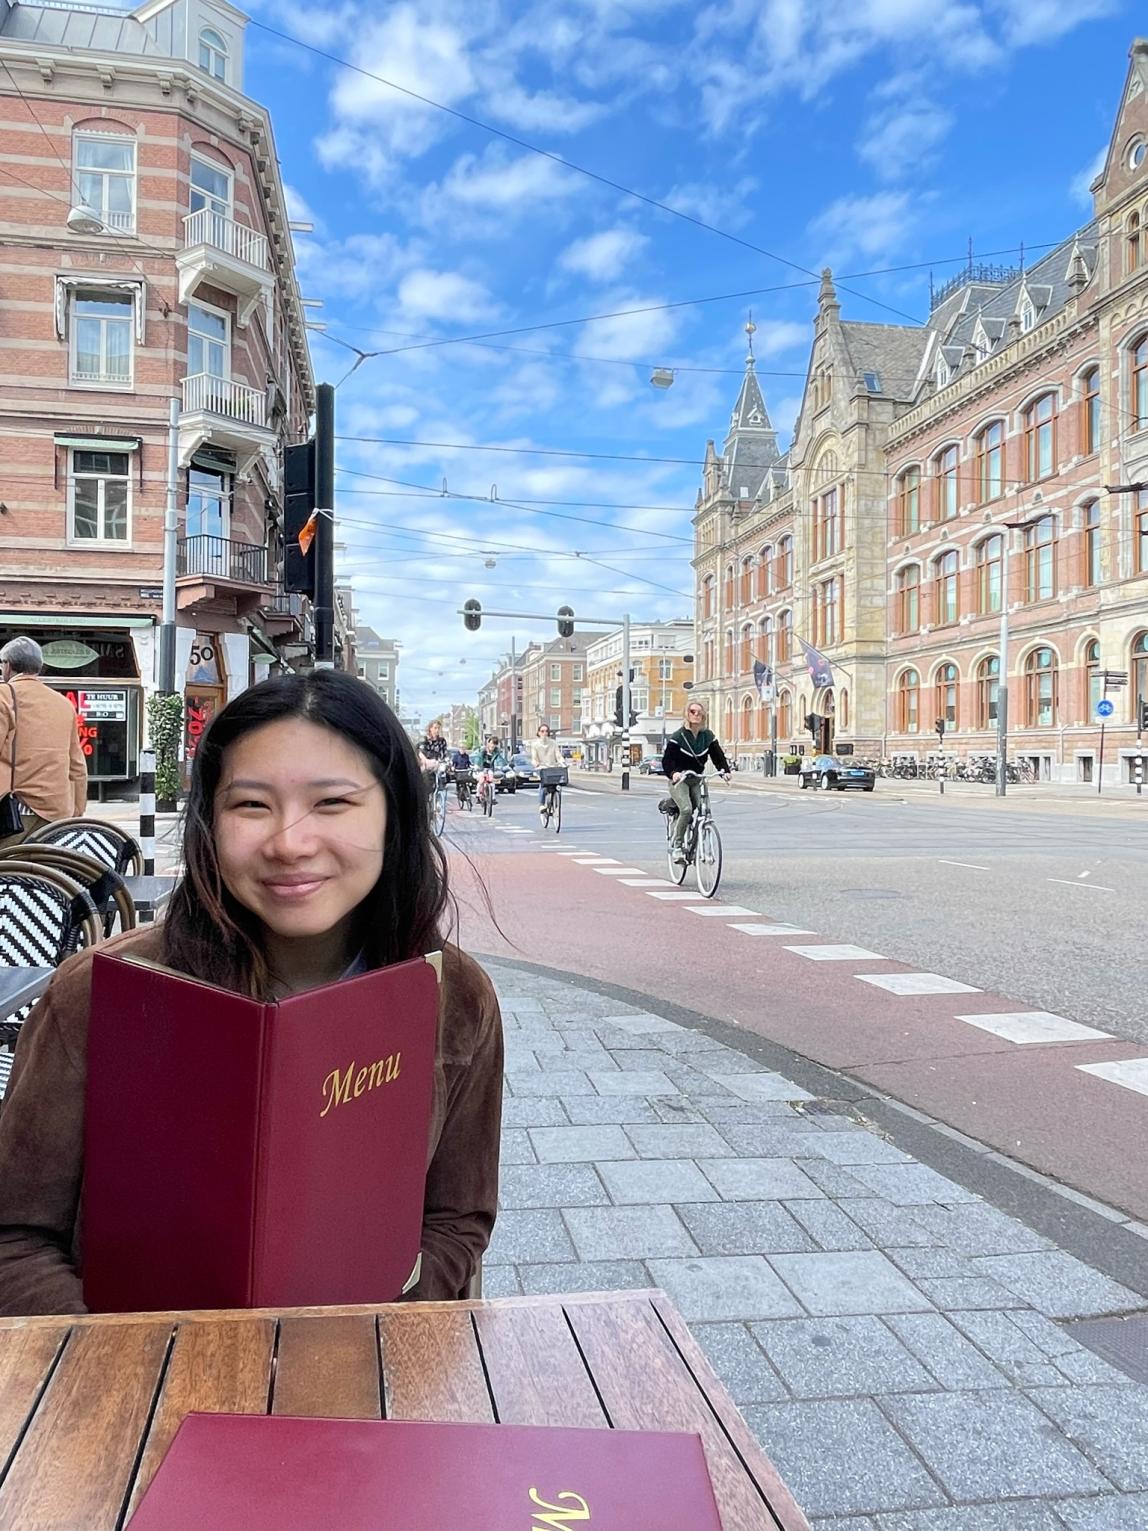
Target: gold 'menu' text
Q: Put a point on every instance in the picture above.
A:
(338, 1088)
(552, 1517)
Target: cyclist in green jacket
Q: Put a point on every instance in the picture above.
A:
(688, 750)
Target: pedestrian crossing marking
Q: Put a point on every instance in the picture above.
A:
(1026, 1026)
(830, 953)
(1132, 1073)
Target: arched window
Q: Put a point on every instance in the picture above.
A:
(747, 719)
(946, 574)
(709, 659)
(1091, 406)
(1091, 518)
(988, 690)
(730, 730)
(746, 581)
(843, 713)
(1040, 689)
(908, 702)
(784, 715)
(746, 648)
(1040, 437)
(213, 54)
(1140, 384)
(785, 563)
(990, 570)
(909, 502)
(826, 528)
(1093, 679)
(948, 691)
(990, 461)
(709, 594)
(1139, 686)
(763, 720)
(1140, 531)
(825, 612)
(945, 466)
(765, 574)
(730, 587)
(1132, 244)
(909, 599)
(784, 637)
(765, 638)
(104, 169)
(729, 655)
(1040, 560)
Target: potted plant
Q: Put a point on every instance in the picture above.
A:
(165, 721)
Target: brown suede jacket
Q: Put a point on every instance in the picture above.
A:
(42, 1136)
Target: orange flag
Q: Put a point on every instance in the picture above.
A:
(307, 532)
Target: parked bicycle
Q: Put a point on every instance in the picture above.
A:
(701, 846)
(552, 779)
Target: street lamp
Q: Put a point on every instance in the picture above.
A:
(662, 377)
(83, 220)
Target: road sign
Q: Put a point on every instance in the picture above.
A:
(1105, 708)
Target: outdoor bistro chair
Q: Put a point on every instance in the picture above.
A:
(104, 886)
(105, 842)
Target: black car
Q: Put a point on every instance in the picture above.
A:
(832, 774)
(525, 771)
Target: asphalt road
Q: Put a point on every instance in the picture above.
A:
(1050, 908)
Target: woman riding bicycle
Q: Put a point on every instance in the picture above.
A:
(687, 751)
(544, 754)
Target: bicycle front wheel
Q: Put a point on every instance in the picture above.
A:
(707, 865)
(439, 812)
(556, 811)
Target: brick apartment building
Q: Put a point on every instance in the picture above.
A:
(553, 684)
(662, 658)
(377, 661)
(145, 258)
(935, 473)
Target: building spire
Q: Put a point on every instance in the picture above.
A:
(751, 331)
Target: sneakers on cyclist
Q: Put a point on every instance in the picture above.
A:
(542, 810)
(678, 856)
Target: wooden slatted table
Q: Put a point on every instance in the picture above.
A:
(89, 1405)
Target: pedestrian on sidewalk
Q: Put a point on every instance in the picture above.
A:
(41, 763)
(686, 751)
(544, 755)
(309, 858)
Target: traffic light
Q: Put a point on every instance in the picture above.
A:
(618, 710)
(472, 615)
(1141, 715)
(298, 503)
(939, 725)
(566, 621)
(811, 721)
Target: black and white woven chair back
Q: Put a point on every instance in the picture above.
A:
(41, 923)
(99, 841)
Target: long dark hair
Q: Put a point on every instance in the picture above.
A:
(209, 935)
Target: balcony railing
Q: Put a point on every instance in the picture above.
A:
(221, 558)
(284, 604)
(207, 227)
(220, 396)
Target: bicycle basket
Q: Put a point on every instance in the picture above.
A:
(554, 776)
(465, 776)
(667, 806)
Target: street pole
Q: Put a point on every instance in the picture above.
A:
(513, 690)
(626, 702)
(1139, 770)
(1100, 769)
(166, 666)
(1002, 673)
(325, 527)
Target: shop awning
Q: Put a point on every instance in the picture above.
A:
(69, 620)
(101, 443)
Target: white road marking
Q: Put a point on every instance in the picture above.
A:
(1132, 1073)
(720, 911)
(837, 954)
(916, 983)
(773, 930)
(616, 871)
(595, 861)
(677, 893)
(646, 882)
(1035, 1026)
(1072, 883)
(571, 852)
(971, 866)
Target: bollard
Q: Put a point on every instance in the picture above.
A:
(147, 811)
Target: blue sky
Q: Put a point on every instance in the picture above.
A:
(864, 133)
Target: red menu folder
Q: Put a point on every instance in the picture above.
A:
(256, 1472)
(246, 1154)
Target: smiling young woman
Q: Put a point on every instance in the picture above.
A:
(308, 857)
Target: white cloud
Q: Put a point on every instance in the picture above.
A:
(604, 256)
(360, 266)
(541, 110)
(1043, 21)
(898, 139)
(480, 193)
(775, 337)
(870, 226)
(630, 336)
(729, 208)
(427, 294)
(1083, 179)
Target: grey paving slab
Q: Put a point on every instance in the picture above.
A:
(1085, 1366)
(521, 1238)
(840, 1357)
(718, 1287)
(909, 1184)
(991, 1445)
(723, 1060)
(842, 1457)
(849, 1281)
(520, 1060)
(891, 1227)
(642, 1082)
(761, 1087)
(760, 1180)
(977, 1229)
(953, 1360)
(621, 1110)
(1000, 1338)
(1014, 1516)
(834, 1179)
(1059, 1285)
(533, 1113)
(585, 1276)
(635, 1233)
(1110, 1424)
(848, 1148)
(580, 1145)
(687, 1140)
(827, 1225)
(581, 1062)
(683, 1042)
(933, 1262)
(642, 1023)
(694, 1083)
(677, 1108)
(953, 1293)
(551, 1185)
(740, 1362)
(500, 1281)
(747, 1113)
(1113, 1512)
(1049, 1338)
(637, 1058)
(516, 1147)
(559, 1083)
(745, 1228)
(656, 1181)
(778, 1137)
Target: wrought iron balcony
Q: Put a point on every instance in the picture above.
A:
(207, 557)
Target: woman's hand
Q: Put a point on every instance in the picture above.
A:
(676, 777)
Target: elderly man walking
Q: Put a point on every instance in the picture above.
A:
(40, 756)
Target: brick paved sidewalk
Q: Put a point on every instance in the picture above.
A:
(895, 1341)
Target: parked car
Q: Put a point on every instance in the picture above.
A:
(651, 766)
(525, 771)
(833, 774)
(506, 781)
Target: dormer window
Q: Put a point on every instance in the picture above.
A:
(981, 343)
(213, 54)
(942, 373)
(1027, 314)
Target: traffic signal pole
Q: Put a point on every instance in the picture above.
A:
(626, 702)
(325, 527)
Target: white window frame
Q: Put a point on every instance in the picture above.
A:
(99, 541)
(220, 313)
(93, 135)
(216, 169)
(556, 696)
(555, 672)
(214, 45)
(105, 383)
